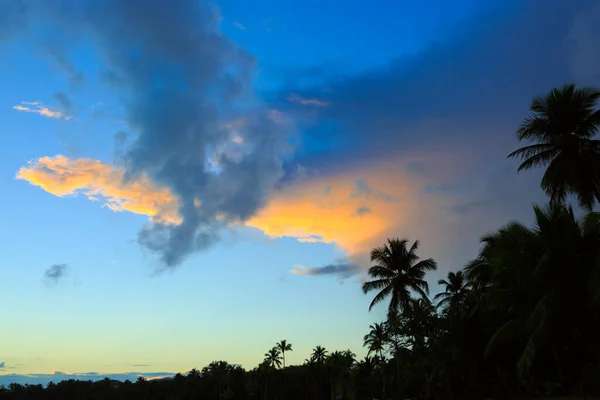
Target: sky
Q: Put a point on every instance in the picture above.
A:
(197, 182)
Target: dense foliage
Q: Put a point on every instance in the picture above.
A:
(521, 320)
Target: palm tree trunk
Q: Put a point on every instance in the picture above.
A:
(397, 365)
(283, 355)
(382, 374)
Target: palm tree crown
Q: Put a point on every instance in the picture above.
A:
(457, 288)
(273, 357)
(284, 346)
(397, 272)
(319, 354)
(376, 339)
(562, 128)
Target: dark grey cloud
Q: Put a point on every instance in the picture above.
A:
(55, 273)
(472, 91)
(140, 365)
(2, 365)
(461, 100)
(341, 270)
(180, 80)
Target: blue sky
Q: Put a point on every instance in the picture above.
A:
(225, 169)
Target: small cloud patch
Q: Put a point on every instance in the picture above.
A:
(37, 108)
(296, 98)
(55, 273)
(239, 26)
(343, 270)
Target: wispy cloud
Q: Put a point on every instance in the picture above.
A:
(342, 270)
(296, 98)
(37, 108)
(239, 26)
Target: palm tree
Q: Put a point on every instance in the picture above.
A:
(544, 278)
(319, 354)
(284, 346)
(396, 272)
(375, 341)
(457, 289)
(562, 128)
(273, 358)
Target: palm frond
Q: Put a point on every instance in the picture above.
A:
(381, 296)
(375, 285)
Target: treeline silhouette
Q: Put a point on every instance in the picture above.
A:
(521, 320)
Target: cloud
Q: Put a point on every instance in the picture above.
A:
(180, 79)
(140, 365)
(2, 365)
(38, 108)
(473, 89)
(97, 181)
(239, 26)
(421, 142)
(55, 273)
(295, 98)
(323, 208)
(461, 99)
(342, 270)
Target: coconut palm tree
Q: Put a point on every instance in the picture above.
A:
(546, 281)
(457, 287)
(284, 346)
(273, 358)
(375, 341)
(562, 129)
(319, 354)
(397, 271)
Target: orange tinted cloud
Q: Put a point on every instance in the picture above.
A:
(331, 210)
(61, 177)
(360, 208)
(355, 209)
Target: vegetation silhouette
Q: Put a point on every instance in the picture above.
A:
(521, 320)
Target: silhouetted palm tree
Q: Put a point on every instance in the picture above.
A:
(457, 287)
(555, 312)
(375, 341)
(284, 346)
(396, 272)
(562, 128)
(273, 357)
(319, 354)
